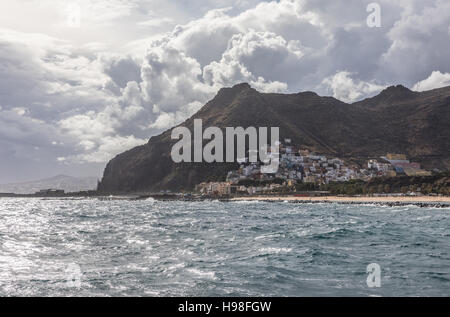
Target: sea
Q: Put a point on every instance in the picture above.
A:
(93, 247)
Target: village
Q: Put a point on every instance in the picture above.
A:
(301, 166)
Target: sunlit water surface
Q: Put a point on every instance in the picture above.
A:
(88, 247)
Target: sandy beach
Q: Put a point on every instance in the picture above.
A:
(331, 199)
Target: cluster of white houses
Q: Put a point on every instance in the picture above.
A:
(301, 166)
(297, 165)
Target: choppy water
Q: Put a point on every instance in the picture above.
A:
(148, 248)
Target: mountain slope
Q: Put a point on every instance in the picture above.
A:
(397, 120)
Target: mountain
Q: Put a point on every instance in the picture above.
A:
(397, 120)
(67, 183)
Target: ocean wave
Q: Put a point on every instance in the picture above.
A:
(273, 250)
(254, 248)
(203, 274)
(151, 200)
(246, 202)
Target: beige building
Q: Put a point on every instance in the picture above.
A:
(416, 172)
(215, 188)
(396, 157)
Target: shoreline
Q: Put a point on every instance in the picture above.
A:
(391, 201)
(361, 199)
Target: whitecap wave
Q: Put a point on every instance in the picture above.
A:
(203, 274)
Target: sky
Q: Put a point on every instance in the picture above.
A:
(84, 80)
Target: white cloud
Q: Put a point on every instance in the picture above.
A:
(171, 79)
(164, 121)
(98, 86)
(109, 147)
(436, 80)
(347, 89)
(246, 58)
(156, 22)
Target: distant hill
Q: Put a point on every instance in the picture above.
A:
(397, 120)
(67, 183)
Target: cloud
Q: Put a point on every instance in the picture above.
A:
(108, 148)
(52, 93)
(16, 127)
(419, 42)
(171, 78)
(156, 22)
(121, 69)
(436, 80)
(246, 57)
(349, 90)
(98, 91)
